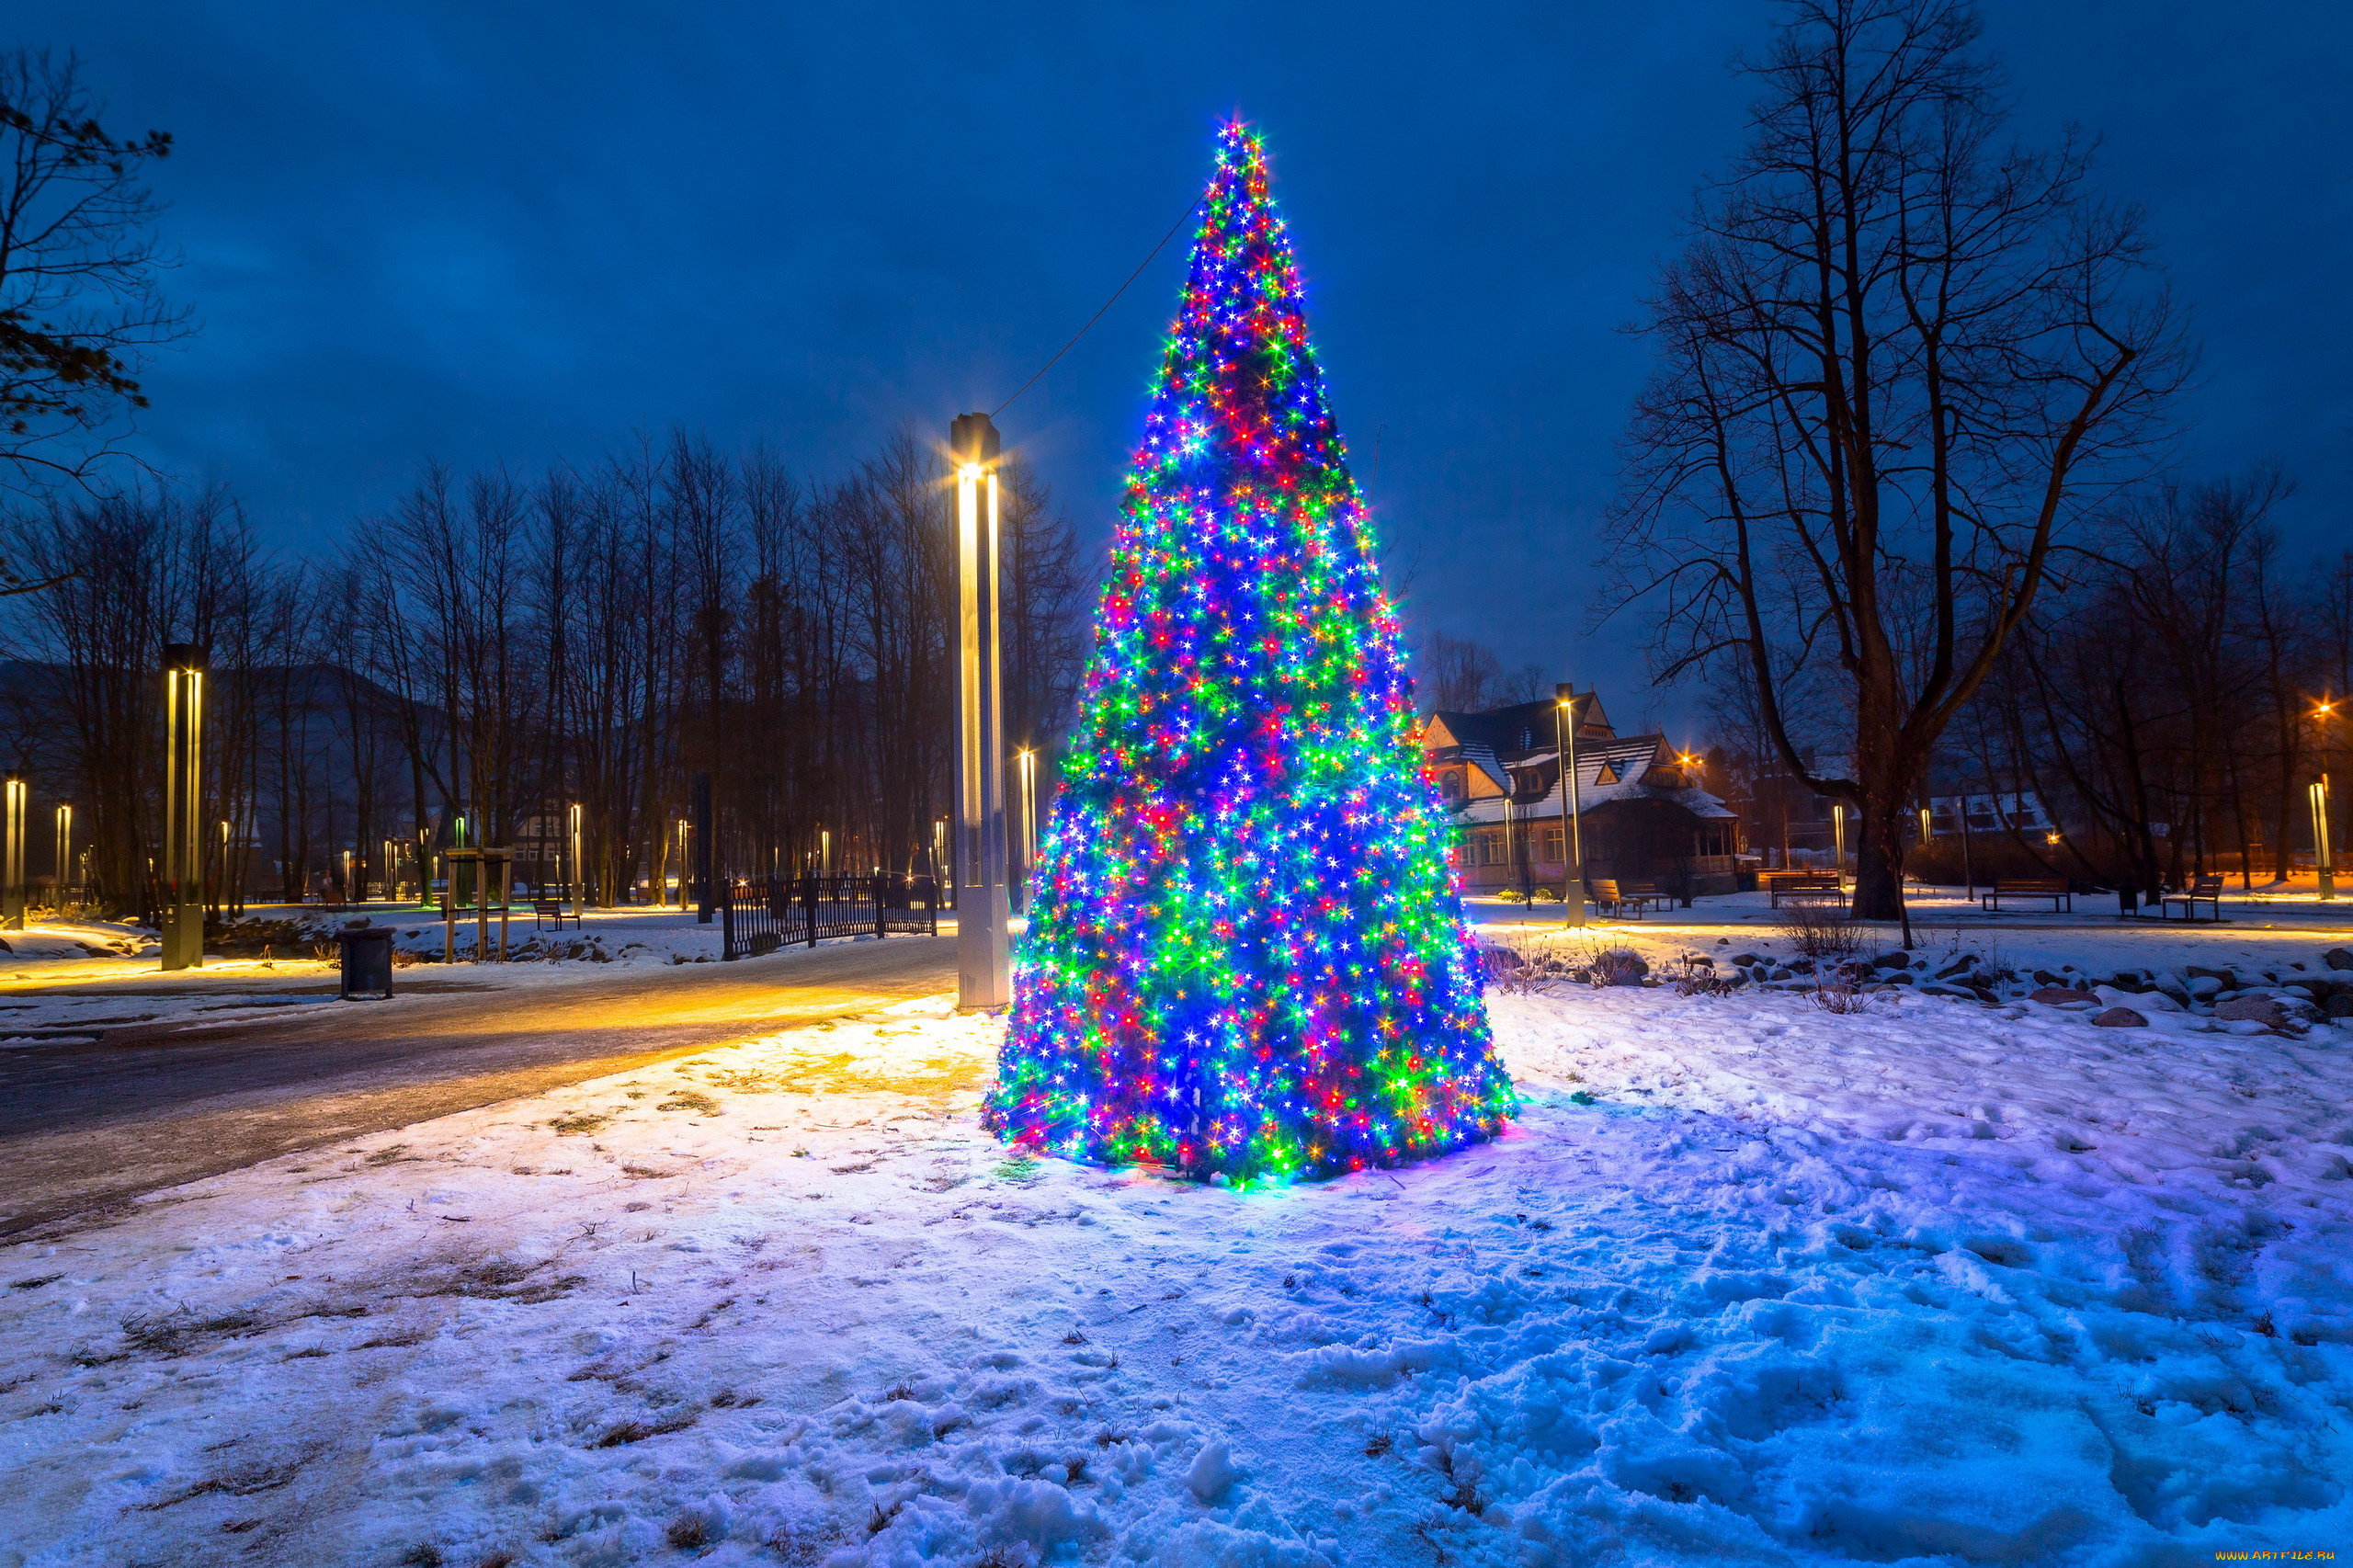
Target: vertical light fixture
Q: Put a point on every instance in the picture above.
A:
(1838, 840)
(183, 876)
(64, 852)
(1028, 813)
(12, 859)
(1564, 721)
(2324, 853)
(982, 913)
(579, 879)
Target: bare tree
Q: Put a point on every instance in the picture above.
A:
(1459, 675)
(78, 296)
(1898, 361)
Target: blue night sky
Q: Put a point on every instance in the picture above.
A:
(523, 232)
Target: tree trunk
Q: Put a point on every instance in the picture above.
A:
(1878, 853)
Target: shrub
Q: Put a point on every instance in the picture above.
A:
(1821, 930)
(1619, 966)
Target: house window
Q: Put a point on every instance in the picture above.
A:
(1609, 774)
(1449, 785)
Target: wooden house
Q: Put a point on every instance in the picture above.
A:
(1642, 813)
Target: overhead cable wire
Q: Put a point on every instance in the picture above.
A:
(1097, 317)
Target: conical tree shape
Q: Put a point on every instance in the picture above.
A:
(1244, 955)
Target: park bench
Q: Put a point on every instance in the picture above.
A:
(1602, 892)
(2207, 891)
(1642, 895)
(2057, 891)
(1804, 887)
(545, 910)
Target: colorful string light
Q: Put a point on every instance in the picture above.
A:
(1244, 957)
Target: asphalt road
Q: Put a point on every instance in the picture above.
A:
(87, 1125)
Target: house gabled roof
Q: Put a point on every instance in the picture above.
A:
(1523, 726)
(1646, 770)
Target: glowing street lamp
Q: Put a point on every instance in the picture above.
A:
(1029, 811)
(183, 874)
(983, 911)
(12, 858)
(2324, 853)
(1571, 794)
(579, 879)
(64, 851)
(1838, 840)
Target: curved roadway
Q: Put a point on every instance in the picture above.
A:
(87, 1125)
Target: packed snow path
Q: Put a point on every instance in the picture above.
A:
(166, 1092)
(1935, 1282)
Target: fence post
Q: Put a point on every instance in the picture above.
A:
(727, 923)
(810, 890)
(880, 931)
(931, 901)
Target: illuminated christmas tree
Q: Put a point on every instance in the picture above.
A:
(1244, 955)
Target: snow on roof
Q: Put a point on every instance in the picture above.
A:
(1635, 758)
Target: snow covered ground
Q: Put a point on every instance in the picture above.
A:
(1749, 1281)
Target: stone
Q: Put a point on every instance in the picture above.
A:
(1892, 960)
(1944, 988)
(2338, 1006)
(2120, 1019)
(1745, 959)
(2338, 957)
(2264, 1010)
(2062, 996)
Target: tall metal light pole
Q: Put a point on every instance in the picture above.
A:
(1564, 721)
(183, 872)
(2324, 853)
(984, 973)
(12, 859)
(1028, 814)
(579, 878)
(64, 852)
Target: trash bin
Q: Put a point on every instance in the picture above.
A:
(367, 961)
